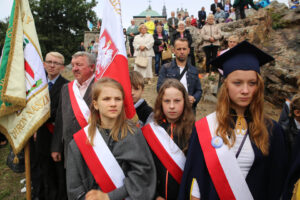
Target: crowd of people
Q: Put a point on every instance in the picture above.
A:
(89, 149)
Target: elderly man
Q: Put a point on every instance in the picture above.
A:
(150, 25)
(131, 32)
(75, 99)
(172, 24)
(52, 176)
(182, 70)
(220, 15)
(215, 5)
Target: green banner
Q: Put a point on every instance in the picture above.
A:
(5, 56)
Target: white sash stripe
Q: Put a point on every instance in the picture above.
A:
(230, 165)
(169, 145)
(107, 159)
(81, 103)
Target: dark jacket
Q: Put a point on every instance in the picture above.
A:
(171, 70)
(201, 15)
(157, 42)
(265, 178)
(44, 136)
(143, 111)
(213, 7)
(161, 170)
(294, 171)
(66, 123)
(243, 3)
(186, 34)
(171, 29)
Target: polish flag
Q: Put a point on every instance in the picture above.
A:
(112, 59)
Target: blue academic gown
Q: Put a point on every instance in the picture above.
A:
(265, 178)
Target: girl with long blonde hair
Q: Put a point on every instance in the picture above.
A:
(109, 159)
(237, 151)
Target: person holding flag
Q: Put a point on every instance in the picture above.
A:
(109, 158)
(24, 94)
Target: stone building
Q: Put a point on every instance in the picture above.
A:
(148, 12)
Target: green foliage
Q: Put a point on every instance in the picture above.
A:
(3, 28)
(277, 22)
(61, 24)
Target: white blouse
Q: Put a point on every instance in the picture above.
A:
(245, 159)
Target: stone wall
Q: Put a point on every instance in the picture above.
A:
(275, 29)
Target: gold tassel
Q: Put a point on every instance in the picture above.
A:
(296, 192)
(16, 160)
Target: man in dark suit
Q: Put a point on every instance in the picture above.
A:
(173, 24)
(213, 7)
(66, 124)
(52, 174)
(201, 17)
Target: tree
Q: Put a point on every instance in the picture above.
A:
(61, 24)
(3, 29)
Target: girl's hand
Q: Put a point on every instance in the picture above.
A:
(96, 195)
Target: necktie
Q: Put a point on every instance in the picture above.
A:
(50, 84)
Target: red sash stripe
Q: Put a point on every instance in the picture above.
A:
(162, 154)
(95, 166)
(212, 161)
(77, 112)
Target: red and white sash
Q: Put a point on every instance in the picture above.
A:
(165, 149)
(221, 163)
(80, 108)
(100, 160)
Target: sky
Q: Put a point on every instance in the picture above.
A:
(131, 8)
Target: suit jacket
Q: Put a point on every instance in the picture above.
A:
(213, 7)
(171, 70)
(265, 178)
(171, 29)
(44, 136)
(201, 15)
(66, 123)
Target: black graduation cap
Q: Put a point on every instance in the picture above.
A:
(243, 56)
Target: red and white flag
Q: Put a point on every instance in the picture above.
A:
(112, 59)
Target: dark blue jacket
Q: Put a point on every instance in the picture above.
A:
(265, 178)
(171, 70)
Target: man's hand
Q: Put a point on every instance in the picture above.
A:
(191, 99)
(96, 195)
(56, 156)
(160, 198)
(212, 39)
(131, 34)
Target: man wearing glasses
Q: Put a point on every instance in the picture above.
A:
(52, 173)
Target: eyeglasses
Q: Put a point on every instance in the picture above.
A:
(54, 63)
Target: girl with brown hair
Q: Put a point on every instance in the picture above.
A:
(109, 159)
(168, 136)
(237, 151)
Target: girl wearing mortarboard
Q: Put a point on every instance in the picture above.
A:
(237, 152)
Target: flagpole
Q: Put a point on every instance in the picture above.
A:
(27, 171)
